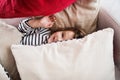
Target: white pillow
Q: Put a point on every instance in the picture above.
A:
(89, 58)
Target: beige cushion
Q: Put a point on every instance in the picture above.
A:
(8, 35)
(81, 14)
(89, 58)
(13, 21)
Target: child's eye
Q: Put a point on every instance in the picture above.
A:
(62, 34)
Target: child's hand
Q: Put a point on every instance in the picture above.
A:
(47, 21)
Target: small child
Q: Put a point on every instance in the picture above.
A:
(37, 31)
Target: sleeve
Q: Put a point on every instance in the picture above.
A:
(25, 28)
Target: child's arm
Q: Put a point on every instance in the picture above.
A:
(29, 26)
(34, 23)
(46, 22)
(25, 28)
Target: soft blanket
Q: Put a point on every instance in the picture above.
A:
(24, 8)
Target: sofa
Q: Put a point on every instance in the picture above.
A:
(12, 36)
(106, 20)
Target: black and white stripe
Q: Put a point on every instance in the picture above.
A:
(33, 36)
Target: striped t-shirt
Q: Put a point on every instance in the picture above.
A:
(33, 36)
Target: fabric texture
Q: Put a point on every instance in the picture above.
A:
(25, 8)
(89, 58)
(8, 35)
(81, 14)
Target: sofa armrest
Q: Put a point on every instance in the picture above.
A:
(105, 20)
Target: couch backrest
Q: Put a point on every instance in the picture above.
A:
(105, 20)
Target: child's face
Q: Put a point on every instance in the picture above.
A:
(61, 36)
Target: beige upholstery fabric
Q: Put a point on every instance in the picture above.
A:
(105, 20)
(8, 35)
(78, 59)
(81, 14)
(13, 21)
